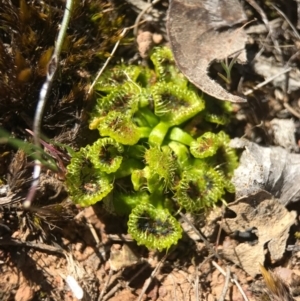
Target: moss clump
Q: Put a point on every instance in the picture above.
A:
(28, 33)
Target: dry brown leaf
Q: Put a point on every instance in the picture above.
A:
(271, 221)
(196, 42)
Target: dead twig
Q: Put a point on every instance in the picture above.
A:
(288, 21)
(207, 244)
(174, 288)
(232, 279)
(140, 5)
(269, 28)
(291, 110)
(293, 56)
(250, 91)
(119, 285)
(114, 289)
(226, 285)
(29, 244)
(106, 284)
(197, 283)
(99, 246)
(141, 14)
(150, 279)
(122, 35)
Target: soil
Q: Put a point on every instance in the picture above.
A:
(43, 245)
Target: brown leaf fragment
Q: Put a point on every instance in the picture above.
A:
(121, 257)
(271, 221)
(196, 42)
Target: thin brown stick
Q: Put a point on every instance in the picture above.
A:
(141, 14)
(28, 244)
(207, 244)
(269, 28)
(288, 21)
(197, 283)
(250, 91)
(119, 285)
(114, 289)
(150, 279)
(174, 288)
(291, 110)
(122, 35)
(106, 284)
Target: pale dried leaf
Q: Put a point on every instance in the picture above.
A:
(284, 133)
(267, 168)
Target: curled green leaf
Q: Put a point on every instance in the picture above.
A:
(218, 112)
(124, 100)
(86, 185)
(139, 178)
(165, 66)
(162, 161)
(199, 188)
(106, 154)
(117, 76)
(121, 128)
(174, 104)
(225, 159)
(205, 145)
(155, 228)
(124, 202)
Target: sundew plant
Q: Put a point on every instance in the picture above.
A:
(159, 150)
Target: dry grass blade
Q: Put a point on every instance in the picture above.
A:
(276, 288)
(269, 28)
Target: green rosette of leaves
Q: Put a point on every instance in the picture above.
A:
(160, 150)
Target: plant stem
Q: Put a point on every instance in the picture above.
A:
(44, 93)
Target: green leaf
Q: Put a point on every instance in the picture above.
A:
(153, 228)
